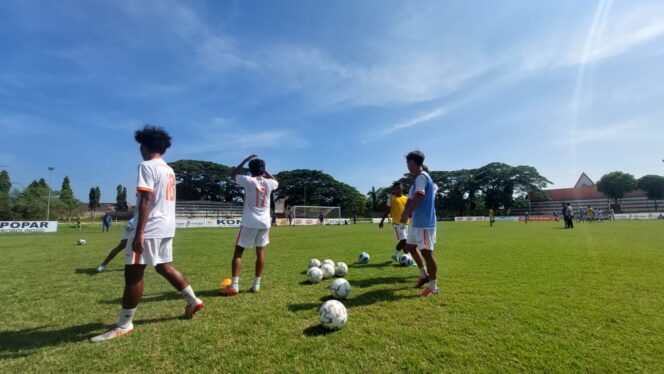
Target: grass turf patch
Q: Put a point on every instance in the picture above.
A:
(515, 297)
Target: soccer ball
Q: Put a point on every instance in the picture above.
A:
(363, 258)
(315, 275)
(328, 261)
(333, 315)
(81, 241)
(340, 288)
(314, 263)
(406, 260)
(340, 269)
(328, 271)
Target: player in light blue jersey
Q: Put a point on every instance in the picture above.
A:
(422, 232)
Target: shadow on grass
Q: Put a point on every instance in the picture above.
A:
(357, 265)
(317, 330)
(164, 297)
(364, 283)
(21, 343)
(364, 299)
(93, 271)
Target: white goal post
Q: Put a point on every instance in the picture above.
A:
(309, 215)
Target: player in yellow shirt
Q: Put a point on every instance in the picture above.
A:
(492, 217)
(394, 207)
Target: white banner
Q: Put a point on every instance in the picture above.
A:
(28, 226)
(469, 219)
(187, 223)
(505, 218)
(306, 221)
(631, 216)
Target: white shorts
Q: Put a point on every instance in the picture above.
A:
(248, 237)
(400, 232)
(423, 238)
(155, 251)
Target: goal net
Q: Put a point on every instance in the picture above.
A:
(310, 215)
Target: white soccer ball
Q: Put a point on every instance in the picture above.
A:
(328, 271)
(363, 258)
(81, 241)
(340, 288)
(315, 275)
(333, 315)
(406, 260)
(328, 261)
(314, 263)
(340, 269)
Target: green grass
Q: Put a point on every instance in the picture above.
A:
(514, 298)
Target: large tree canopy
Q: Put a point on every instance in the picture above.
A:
(653, 185)
(313, 187)
(491, 186)
(616, 184)
(204, 180)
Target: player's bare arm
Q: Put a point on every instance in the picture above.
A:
(144, 200)
(385, 213)
(238, 169)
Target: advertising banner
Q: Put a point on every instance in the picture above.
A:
(469, 219)
(632, 216)
(543, 217)
(28, 226)
(187, 223)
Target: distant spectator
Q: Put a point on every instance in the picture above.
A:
(354, 218)
(321, 218)
(106, 222)
(290, 218)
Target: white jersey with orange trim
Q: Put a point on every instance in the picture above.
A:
(257, 191)
(157, 177)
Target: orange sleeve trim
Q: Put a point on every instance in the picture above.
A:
(420, 193)
(144, 189)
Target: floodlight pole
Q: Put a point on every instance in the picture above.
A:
(48, 206)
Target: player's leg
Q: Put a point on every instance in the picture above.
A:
(181, 284)
(432, 268)
(426, 246)
(131, 296)
(260, 266)
(261, 241)
(111, 255)
(419, 260)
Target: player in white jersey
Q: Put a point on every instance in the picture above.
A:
(152, 239)
(126, 233)
(255, 227)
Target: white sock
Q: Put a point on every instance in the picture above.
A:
(235, 283)
(126, 315)
(257, 281)
(433, 284)
(423, 272)
(396, 253)
(189, 295)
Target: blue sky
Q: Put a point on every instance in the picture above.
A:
(346, 86)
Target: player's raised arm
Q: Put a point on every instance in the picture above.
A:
(269, 176)
(238, 169)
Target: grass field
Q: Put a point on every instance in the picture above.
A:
(515, 297)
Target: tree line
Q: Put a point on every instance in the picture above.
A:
(32, 202)
(495, 186)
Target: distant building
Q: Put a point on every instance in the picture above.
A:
(585, 193)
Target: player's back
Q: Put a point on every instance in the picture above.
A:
(257, 191)
(157, 177)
